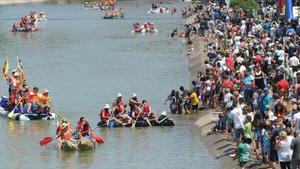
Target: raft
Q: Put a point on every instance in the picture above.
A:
(69, 146)
(28, 117)
(144, 31)
(140, 123)
(112, 17)
(82, 144)
(26, 30)
(158, 11)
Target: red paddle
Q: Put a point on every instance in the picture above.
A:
(98, 139)
(45, 141)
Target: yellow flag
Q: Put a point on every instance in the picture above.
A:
(5, 69)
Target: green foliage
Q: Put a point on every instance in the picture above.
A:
(246, 5)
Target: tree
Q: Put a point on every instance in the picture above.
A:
(246, 5)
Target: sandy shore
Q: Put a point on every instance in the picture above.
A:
(14, 2)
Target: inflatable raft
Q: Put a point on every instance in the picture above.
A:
(140, 123)
(28, 117)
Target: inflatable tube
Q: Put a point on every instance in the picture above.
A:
(28, 117)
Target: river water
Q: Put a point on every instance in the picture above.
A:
(85, 61)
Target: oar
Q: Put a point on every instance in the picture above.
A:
(134, 121)
(11, 114)
(98, 139)
(46, 141)
(110, 118)
(59, 116)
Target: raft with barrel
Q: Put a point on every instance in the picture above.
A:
(139, 123)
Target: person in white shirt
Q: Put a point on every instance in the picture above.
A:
(294, 61)
(283, 146)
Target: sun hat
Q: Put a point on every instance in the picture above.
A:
(106, 106)
(64, 125)
(134, 95)
(164, 113)
(45, 91)
(16, 74)
(119, 95)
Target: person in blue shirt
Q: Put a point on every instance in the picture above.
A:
(247, 80)
(267, 99)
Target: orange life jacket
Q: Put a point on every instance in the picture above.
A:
(33, 97)
(43, 99)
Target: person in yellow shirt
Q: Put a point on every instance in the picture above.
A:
(194, 101)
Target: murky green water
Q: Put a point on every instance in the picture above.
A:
(85, 61)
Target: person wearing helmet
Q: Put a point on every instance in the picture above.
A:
(118, 105)
(120, 112)
(105, 114)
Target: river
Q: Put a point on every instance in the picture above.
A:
(84, 62)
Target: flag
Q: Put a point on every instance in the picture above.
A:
(20, 69)
(5, 69)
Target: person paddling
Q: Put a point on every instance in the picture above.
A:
(105, 114)
(64, 134)
(147, 112)
(133, 102)
(163, 117)
(120, 112)
(80, 124)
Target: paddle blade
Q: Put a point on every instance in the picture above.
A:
(45, 141)
(99, 139)
(11, 114)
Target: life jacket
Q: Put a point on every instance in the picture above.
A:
(66, 135)
(14, 83)
(43, 99)
(104, 115)
(146, 108)
(119, 106)
(33, 97)
(79, 126)
(12, 97)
